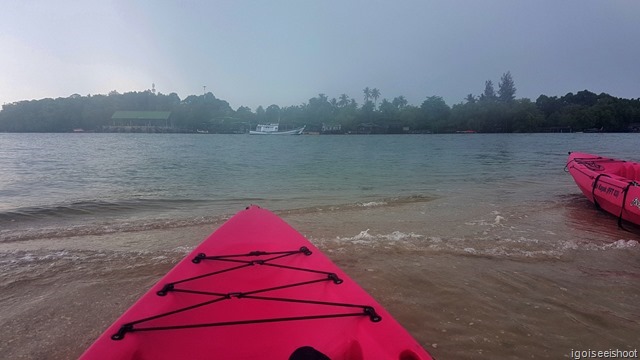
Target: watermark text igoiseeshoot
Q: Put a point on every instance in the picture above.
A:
(604, 354)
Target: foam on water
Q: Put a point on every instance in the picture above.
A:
(365, 238)
(497, 221)
(373, 203)
(20, 264)
(520, 247)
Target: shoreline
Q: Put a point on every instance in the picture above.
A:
(457, 304)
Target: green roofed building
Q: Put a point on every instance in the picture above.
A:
(140, 121)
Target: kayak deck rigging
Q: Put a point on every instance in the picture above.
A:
(610, 184)
(264, 259)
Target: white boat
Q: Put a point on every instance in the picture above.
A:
(272, 129)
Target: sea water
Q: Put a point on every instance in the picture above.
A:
(480, 244)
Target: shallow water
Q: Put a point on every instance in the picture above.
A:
(481, 245)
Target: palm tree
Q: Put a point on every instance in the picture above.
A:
(367, 94)
(344, 100)
(375, 94)
(399, 102)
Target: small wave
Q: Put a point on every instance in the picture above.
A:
(373, 203)
(521, 247)
(616, 245)
(378, 203)
(21, 265)
(97, 208)
(99, 217)
(92, 207)
(365, 237)
(395, 238)
(497, 221)
(513, 253)
(106, 228)
(23, 257)
(624, 244)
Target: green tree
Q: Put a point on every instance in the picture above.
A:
(436, 114)
(347, 116)
(489, 93)
(318, 111)
(343, 100)
(470, 99)
(506, 88)
(245, 119)
(367, 94)
(272, 114)
(375, 94)
(260, 115)
(400, 102)
(293, 116)
(388, 111)
(583, 110)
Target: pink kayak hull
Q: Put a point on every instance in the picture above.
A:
(253, 311)
(611, 184)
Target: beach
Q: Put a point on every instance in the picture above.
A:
(479, 254)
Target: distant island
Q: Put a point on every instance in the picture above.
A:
(490, 112)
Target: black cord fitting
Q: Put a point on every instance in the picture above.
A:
(165, 290)
(335, 278)
(373, 316)
(123, 330)
(237, 295)
(198, 258)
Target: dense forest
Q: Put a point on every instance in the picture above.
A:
(489, 112)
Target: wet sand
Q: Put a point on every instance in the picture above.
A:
(440, 276)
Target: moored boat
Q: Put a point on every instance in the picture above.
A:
(612, 185)
(273, 129)
(256, 289)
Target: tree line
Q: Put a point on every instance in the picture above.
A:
(489, 112)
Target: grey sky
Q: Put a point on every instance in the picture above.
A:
(284, 52)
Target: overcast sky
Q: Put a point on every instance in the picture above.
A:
(284, 52)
